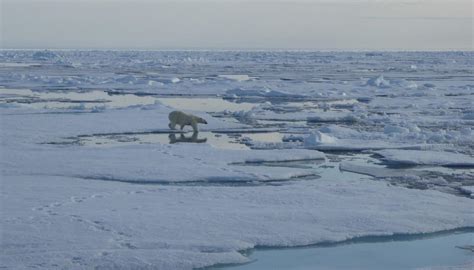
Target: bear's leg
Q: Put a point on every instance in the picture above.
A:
(172, 138)
(172, 125)
(182, 126)
(195, 128)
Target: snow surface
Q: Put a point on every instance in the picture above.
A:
(166, 205)
(85, 224)
(414, 157)
(317, 138)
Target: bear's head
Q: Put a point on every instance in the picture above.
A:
(201, 120)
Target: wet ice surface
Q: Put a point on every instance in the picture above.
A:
(300, 148)
(222, 141)
(89, 100)
(236, 141)
(206, 104)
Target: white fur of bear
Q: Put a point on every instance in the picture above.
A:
(182, 119)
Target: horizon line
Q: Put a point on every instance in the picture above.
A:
(243, 49)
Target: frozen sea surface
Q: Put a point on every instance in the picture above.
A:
(301, 148)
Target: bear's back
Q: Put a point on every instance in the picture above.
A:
(180, 117)
(174, 115)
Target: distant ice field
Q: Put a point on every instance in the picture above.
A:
(300, 149)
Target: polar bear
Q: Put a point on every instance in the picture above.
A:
(182, 119)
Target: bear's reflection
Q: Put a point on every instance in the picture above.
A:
(191, 139)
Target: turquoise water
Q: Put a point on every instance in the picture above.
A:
(368, 253)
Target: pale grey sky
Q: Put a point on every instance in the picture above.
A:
(238, 24)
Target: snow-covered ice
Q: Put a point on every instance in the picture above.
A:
(300, 148)
(416, 157)
(317, 138)
(85, 224)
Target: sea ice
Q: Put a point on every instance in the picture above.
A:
(83, 224)
(317, 138)
(416, 157)
(180, 204)
(379, 81)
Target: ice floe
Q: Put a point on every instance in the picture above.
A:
(265, 92)
(415, 157)
(379, 81)
(317, 138)
(132, 226)
(236, 77)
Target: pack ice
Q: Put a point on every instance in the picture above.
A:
(300, 148)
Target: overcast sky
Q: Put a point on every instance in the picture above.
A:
(238, 24)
